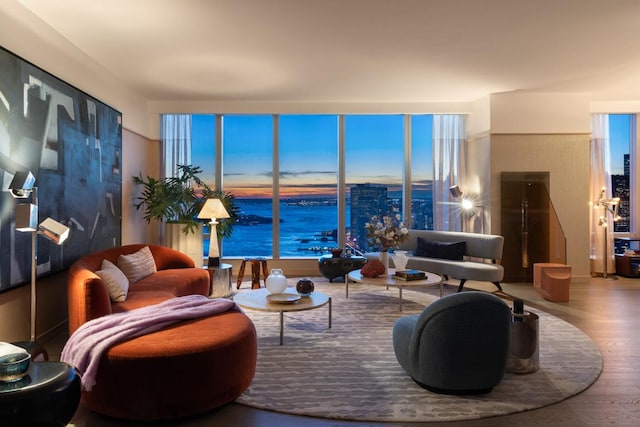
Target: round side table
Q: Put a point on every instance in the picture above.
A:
(47, 396)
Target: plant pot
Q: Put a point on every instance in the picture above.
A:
(190, 244)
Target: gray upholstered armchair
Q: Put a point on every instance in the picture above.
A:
(459, 344)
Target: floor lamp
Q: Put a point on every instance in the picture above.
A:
(213, 209)
(26, 220)
(609, 206)
(468, 208)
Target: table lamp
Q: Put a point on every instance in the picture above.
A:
(213, 209)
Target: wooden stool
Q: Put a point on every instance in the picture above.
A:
(257, 262)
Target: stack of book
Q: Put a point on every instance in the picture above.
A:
(410, 275)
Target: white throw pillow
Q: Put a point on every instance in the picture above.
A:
(114, 279)
(137, 265)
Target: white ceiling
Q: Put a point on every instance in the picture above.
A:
(356, 50)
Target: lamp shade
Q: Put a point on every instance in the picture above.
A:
(22, 184)
(455, 191)
(213, 209)
(26, 217)
(54, 231)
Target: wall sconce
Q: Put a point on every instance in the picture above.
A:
(213, 209)
(22, 186)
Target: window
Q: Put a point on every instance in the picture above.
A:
(421, 172)
(621, 135)
(247, 159)
(304, 150)
(374, 155)
(308, 171)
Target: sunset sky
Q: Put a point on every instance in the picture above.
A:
(308, 147)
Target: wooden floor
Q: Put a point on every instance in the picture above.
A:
(607, 310)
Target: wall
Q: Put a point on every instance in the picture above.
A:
(547, 132)
(566, 157)
(29, 37)
(140, 156)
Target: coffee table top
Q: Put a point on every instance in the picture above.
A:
(390, 280)
(257, 300)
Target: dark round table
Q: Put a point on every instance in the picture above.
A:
(332, 267)
(47, 396)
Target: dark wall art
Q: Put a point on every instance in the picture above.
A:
(72, 144)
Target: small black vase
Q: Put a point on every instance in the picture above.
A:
(304, 287)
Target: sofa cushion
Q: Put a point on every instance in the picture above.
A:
(443, 250)
(137, 265)
(114, 280)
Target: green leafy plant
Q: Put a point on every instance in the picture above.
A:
(179, 199)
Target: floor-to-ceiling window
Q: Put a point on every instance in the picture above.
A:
(374, 159)
(294, 160)
(247, 171)
(621, 140)
(421, 172)
(308, 184)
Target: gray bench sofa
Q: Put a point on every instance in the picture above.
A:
(480, 255)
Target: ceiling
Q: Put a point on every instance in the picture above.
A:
(356, 50)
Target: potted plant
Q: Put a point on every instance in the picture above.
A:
(176, 201)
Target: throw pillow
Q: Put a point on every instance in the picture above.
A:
(115, 281)
(442, 250)
(137, 265)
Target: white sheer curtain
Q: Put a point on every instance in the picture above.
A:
(600, 178)
(176, 142)
(449, 168)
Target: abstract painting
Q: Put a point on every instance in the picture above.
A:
(72, 143)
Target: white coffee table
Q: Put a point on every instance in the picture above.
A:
(256, 299)
(389, 280)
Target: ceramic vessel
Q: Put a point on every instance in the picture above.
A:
(305, 287)
(13, 366)
(276, 281)
(383, 256)
(400, 259)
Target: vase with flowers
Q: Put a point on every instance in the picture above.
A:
(385, 233)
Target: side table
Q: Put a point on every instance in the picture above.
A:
(332, 267)
(220, 281)
(47, 396)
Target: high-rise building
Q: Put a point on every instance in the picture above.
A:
(366, 200)
(620, 187)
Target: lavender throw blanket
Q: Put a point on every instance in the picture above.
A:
(87, 344)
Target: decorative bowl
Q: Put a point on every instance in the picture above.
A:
(305, 287)
(13, 366)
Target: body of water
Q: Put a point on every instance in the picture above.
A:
(308, 228)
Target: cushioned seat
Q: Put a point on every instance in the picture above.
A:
(459, 344)
(182, 370)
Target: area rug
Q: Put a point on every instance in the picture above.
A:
(350, 372)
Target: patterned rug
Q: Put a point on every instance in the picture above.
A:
(350, 372)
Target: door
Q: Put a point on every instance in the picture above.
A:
(524, 216)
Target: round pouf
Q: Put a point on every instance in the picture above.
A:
(186, 369)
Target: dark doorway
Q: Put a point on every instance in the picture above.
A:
(524, 217)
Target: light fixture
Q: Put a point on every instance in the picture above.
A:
(609, 206)
(213, 209)
(468, 207)
(455, 191)
(22, 186)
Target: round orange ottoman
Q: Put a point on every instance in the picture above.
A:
(185, 369)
